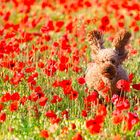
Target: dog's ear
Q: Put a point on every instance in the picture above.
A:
(95, 39)
(121, 39)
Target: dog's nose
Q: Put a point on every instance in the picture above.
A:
(108, 69)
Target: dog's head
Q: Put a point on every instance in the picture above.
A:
(108, 59)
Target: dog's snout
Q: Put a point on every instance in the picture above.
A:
(108, 69)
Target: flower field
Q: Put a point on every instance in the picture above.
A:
(44, 54)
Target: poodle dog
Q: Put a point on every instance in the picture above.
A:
(107, 62)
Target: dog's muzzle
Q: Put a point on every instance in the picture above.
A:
(109, 71)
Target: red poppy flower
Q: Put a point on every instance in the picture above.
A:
(50, 114)
(92, 97)
(2, 117)
(136, 107)
(117, 119)
(64, 130)
(27, 37)
(16, 78)
(59, 24)
(93, 125)
(65, 114)
(73, 126)
(65, 44)
(136, 86)
(64, 83)
(136, 29)
(88, 4)
(69, 27)
(42, 101)
(48, 27)
(15, 96)
(44, 134)
(55, 44)
(131, 120)
(10, 35)
(77, 136)
(38, 89)
(62, 1)
(77, 69)
(28, 2)
(84, 113)
(23, 100)
(33, 97)
(73, 95)
(102, 110)
(56, 84)
(13, 106)
(21, 66)
(47, 38)
(105, 20)
(29, 70)
(32, 77)
(6, 97)
(117, 116)
(105, 90)
(81, 80)
(121, 24)
(1, 32)
(120, 103)
(41, 64)
(131, 76)
(63, 67)
(56, 99)
(55, 120)
(6, 16)
(75, 58)
(1, 107)
(64, 59)
(25, 19)
(51, 67)
(67, 90)
(123, 85)
(6, 78)
(101, 86)
(44, 48)
(107, 98)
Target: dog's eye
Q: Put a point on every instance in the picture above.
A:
(103, 61)
(112, 61)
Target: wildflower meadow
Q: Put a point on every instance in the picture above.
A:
(44, 55)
